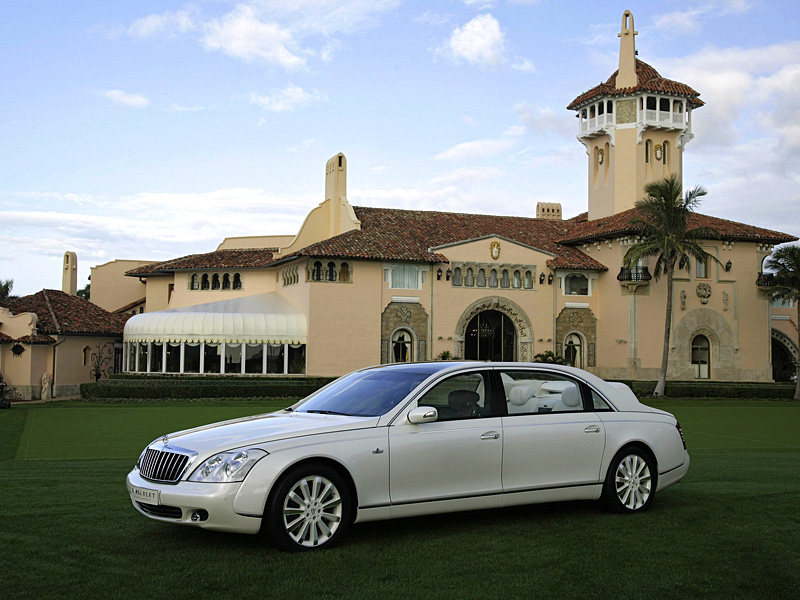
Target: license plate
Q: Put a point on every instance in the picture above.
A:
(145, 495)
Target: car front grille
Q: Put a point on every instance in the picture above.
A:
(159, 510)
(162, 466)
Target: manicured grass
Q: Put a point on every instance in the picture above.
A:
(731, 529)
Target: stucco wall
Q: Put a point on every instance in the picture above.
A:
(111, 289)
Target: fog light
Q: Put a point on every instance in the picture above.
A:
(199, 515)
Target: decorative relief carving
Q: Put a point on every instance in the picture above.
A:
(494, 250)
(403, 314)
(498, 304)
(575, 319)
(704, 292)
(683, 299)
(725, 300)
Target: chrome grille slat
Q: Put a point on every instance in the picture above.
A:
(163, 466)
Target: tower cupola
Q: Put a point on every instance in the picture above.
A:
(634, 127)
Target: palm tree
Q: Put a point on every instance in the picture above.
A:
(5, 289)
(785, 263)
(663, 223)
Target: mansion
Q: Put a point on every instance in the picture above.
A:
(358, 286)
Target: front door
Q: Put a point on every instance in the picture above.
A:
(458, 457)
(490, 335)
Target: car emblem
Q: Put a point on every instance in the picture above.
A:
(165, 440)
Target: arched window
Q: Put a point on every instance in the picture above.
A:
(576, 285)
(493, 278)
(195, 282)
(204, 283)
(481, 278)
(237, 281)
(648, 151)
(402, 347)
(344, 273)
(457, 276)
(316, 272)
(517, 281)
(528, 280)
(86, 355)
(330, 272)
(226, 281)
(573, 350)
(469, 280)
(665, 157)
(701, 357)
(215, 281)
(504, 281)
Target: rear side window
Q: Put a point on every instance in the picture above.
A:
(532, 392)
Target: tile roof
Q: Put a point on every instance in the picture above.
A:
(409, 235)
(60, 313)
(649, 81)
(39, 338)
(5, 339)
(621, 223)
(130, 305)
(247, 258)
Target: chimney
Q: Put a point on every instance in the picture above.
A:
(69, 277)
(548, 210)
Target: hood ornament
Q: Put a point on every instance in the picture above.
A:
(165, 440)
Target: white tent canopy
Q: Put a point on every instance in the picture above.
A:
(261, 318)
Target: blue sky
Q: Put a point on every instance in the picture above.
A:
(149, 130)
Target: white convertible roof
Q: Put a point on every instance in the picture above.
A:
(261, 318)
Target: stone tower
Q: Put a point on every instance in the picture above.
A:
(634, 127)
(69, 275)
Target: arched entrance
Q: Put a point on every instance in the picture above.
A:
(490, 335)
(784, 356)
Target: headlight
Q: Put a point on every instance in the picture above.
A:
(227, 466)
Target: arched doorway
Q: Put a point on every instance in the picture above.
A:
(490, 335)
(573, 350)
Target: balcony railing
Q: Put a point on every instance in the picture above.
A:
(598, 122)
(638, 275)
(765, 280)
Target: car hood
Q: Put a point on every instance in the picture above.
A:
(260, 429)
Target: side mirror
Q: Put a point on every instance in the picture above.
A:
(423, 414)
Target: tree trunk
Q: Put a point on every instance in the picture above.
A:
(662, 376)
(797, 364)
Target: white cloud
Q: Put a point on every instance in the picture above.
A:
(524, 65)
(378, 169)
(288, 99)
(476, 149)
(120, 97)
(306, 144)
(480, 42)
(241, 34)
(178, 108)
(168, 23)
(326, 17)
(515, 130)
(680, 21)
(543, 119)
(468, 121)
(432, 18)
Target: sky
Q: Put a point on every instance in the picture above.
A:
(154, 129)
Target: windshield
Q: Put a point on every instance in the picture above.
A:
(364, 394)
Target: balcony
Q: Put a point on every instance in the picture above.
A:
(662, 119)
(596, 125)
(765, 280)
(638, 275)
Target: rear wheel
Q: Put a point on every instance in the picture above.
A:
(311, 508)
(630, 484)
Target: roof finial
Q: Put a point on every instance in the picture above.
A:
(626, 76)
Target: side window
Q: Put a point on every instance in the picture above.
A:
(529, 392)
(459, 397)
(599, 404)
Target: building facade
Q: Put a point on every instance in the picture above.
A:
(359, 286)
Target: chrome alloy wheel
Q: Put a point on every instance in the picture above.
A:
(633, 482)
(312, 511)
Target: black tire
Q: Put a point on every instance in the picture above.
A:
(631, 481)
(309, 509)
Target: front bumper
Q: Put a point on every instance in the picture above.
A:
(210, 503)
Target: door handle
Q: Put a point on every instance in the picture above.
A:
(490, 435)
(592, 429)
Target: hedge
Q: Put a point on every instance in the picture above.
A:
(714, 389)
(205, 387)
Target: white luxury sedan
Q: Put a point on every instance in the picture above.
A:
(413, 439)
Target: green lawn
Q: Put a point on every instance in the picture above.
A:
(731, 529)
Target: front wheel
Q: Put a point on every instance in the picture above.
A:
(630, 484)
(310, 509)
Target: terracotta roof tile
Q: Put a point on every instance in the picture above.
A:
(60, 313)
(6, 339)
(621, 223)
(649, 81)
(410, 235)
(130, 305)
(39, 338)
(248, 258)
